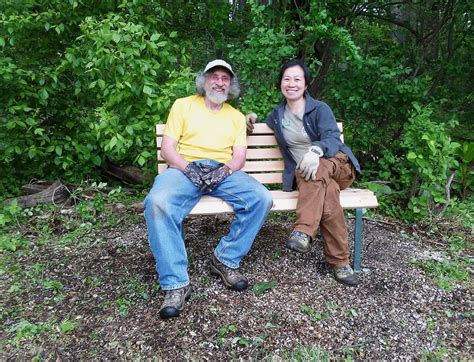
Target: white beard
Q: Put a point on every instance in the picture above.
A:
(214, 97)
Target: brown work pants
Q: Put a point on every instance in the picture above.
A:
(319, 205)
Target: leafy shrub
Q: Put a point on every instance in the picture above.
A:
(465, 173)
(125, 80)
(258, 62)
(419, 175)
(431, 157)
(95, 97)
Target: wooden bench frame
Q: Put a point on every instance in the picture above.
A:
(264, 163)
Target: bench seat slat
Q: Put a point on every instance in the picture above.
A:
(286, 201)
(264, 178)
(263, 153)
(265, 140)
(262, 128)
(268, 178)
(263, 166)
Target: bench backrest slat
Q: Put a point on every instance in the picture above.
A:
(264, 160)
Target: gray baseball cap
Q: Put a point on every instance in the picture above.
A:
(219, 63)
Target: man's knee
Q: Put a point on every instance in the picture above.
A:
(261, 197)
(159, 200)
(266, 198)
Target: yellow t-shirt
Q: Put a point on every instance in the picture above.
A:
(203, 134)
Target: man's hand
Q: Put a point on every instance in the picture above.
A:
(195, 174)
(250, 120)
(216, 176)
(308, 165)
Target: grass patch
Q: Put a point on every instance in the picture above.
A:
(447, 273)
(313, 353)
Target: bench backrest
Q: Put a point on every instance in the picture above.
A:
(264, 160)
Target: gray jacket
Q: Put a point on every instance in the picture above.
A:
(321, 127)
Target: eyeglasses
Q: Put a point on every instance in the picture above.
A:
(215, 77)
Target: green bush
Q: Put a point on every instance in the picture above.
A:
(258, 61)
(96, 97)
(418, 175)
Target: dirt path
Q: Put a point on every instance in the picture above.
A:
(109, 296)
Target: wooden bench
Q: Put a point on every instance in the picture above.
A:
(264, 163)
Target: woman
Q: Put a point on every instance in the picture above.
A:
(317, 164)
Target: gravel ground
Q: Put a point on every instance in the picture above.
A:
(396, 312)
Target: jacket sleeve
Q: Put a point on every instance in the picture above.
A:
(270, 122)
(329, 134)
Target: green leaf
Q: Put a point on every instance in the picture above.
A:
(59, 150)
(260, 288)
(67, 326)
(411, 156)
(43, 93)
(113, 142)
(96, 160)
(147, 90)
(155, 37)
(116, 37)
(141, 160)
(2, 42)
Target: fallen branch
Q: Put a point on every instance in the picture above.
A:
(447, 190)
(129, 174)
(57, 193)
(381, 222)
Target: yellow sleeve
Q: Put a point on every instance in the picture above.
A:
(175, 123)
(241, 139)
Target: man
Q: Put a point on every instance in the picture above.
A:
(204, 145)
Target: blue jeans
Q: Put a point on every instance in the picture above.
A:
(171, 199)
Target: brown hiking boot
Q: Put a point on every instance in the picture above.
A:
(299, 241)
(173, 304)
(345, 275)
(231, 277)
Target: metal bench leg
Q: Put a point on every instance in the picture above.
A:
(358, 240)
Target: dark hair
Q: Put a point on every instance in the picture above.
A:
(294, 63)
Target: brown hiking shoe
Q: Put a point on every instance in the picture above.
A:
(299, 241)
(345, 275)
(173, 304)
(231, 277)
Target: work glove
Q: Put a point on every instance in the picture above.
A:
(216, 176)
(195, 173)
(250, 120)
(308, 165)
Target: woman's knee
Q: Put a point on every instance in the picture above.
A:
(346, 176)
